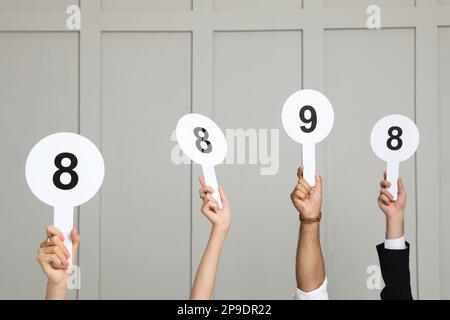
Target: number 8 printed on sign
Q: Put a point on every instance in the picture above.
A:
(69, 170)
(395, 137)
(64, 170)
(203, 139)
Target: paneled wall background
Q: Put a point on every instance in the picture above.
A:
(137, 66)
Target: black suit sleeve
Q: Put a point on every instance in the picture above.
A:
(395, 271)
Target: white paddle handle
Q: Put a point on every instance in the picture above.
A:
(392, 176)
(211, 181)
(63, 220)
(309, 163)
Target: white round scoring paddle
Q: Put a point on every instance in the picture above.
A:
(64, 170)
(308, 118)
(394, 138)
(201, 139)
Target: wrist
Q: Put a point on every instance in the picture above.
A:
(395, 227)
(220, 230)
(312, 218)
(57, 284)
(396, 217)
(56, 290)
(309, 227)
(309, 214)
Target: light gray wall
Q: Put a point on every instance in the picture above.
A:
(137, 66)
(254, 73)
(368, 75)
(38, 96)
(444, 183)
(145, 198)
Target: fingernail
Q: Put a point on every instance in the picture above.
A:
(61, 237)
(67, 254)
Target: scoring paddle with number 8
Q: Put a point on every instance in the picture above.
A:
(203, 141)
(394, 139)
(64, 170)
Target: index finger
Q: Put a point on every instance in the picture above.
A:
(385, 184)
(56, 241)
(204, 191)
(300, 172)
(305, 184)
(202, 181)
(53, 231)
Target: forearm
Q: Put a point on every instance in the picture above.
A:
(395, 227)
(206, 274)
(56, 291)
(310, 268)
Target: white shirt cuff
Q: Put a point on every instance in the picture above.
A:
(318, 294)
(395, 244)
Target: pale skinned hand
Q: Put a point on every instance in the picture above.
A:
(393, 210)
(220, 218)
(386, 201)
(53, 257)
(306, 199)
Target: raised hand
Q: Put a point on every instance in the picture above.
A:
(53, 257)
(306, 199)
(220, 218)
(393, 210)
